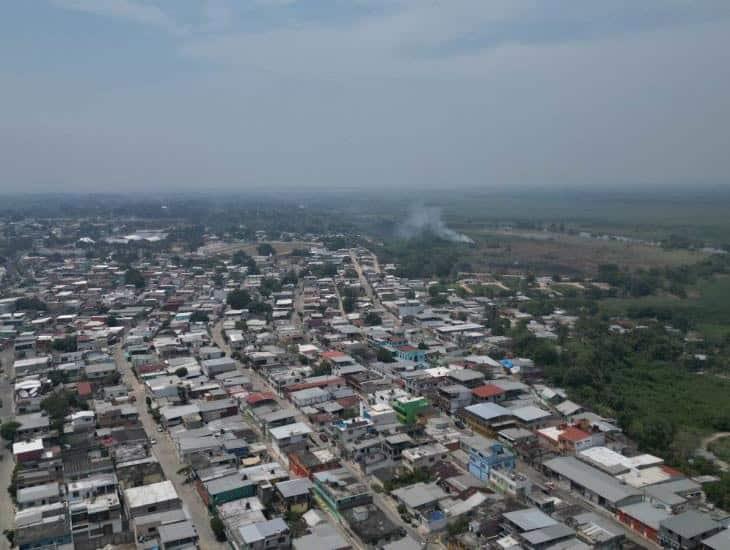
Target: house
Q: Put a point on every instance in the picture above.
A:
(488, 392)
(32, 425)
(425, 456)
(409, 353)
(270, 534)
(685, 531)
(407, 409)
(38, 495)
(26, 452)
(214, 367)
(46, 526)
(470, 378)
(422, 501)
(305, 463)
(340, 490)
(177, 535)
(643, 518)
(294, 494)
(487, 418)
(453, 397)
(150, 499)
(225, 489)
(571, 440)
(593, 484)
(484, 455)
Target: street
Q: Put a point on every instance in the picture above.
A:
(165, 453)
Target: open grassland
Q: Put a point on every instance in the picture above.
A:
(543, 252)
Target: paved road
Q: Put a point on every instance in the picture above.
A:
(7, 512)
(369, 291)
(165, 453)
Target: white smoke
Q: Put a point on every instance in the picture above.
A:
(424, 219)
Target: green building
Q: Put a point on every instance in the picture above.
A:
(407, 409)
(225, 489)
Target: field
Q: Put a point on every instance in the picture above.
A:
(707, 305)
(282, 247)
(543, 252)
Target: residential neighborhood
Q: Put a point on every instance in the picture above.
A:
(309, 400)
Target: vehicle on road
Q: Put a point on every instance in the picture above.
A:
(153, 441)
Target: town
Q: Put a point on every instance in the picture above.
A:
(296, 390)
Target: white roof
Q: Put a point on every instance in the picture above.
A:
(297, 428)
(150, 494)
(609, 458)
(28, 446)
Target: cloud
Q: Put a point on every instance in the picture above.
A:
(390, 93)
(129, 10)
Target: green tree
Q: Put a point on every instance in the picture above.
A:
(134, 277)
(348, 304)
(199, 317)
(182, 372)
(372, 319)
(265, 249)
(9, 429)
(238, 299)
(385, 356)
(218, 528)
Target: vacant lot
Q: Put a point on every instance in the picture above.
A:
(567, 254)
(281, 247)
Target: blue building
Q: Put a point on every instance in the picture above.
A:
(485, 454)
(410, 353)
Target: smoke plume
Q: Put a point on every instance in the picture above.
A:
(424, 219)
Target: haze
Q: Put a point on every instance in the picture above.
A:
(133, 95)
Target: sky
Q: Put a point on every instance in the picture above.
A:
(196, 95)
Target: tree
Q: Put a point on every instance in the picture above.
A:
(33, 304)
(265, 249)
(182, 372)
(134, 277)
(385, 356)
(199, 317)
(67, 344)
(218, 528)
(238, 299)
(422, 346)
(348, 304)
(9, 429)
(372, 319)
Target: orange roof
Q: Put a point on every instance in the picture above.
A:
(332, 354)
(571, 433)
(487, 390)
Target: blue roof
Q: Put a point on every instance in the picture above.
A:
(507, 363)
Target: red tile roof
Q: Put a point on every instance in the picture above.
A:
(84, 388)
(571, 433)
(487, 390)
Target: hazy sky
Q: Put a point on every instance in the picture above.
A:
(115, 95)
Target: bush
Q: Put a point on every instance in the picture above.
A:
(218, 528)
